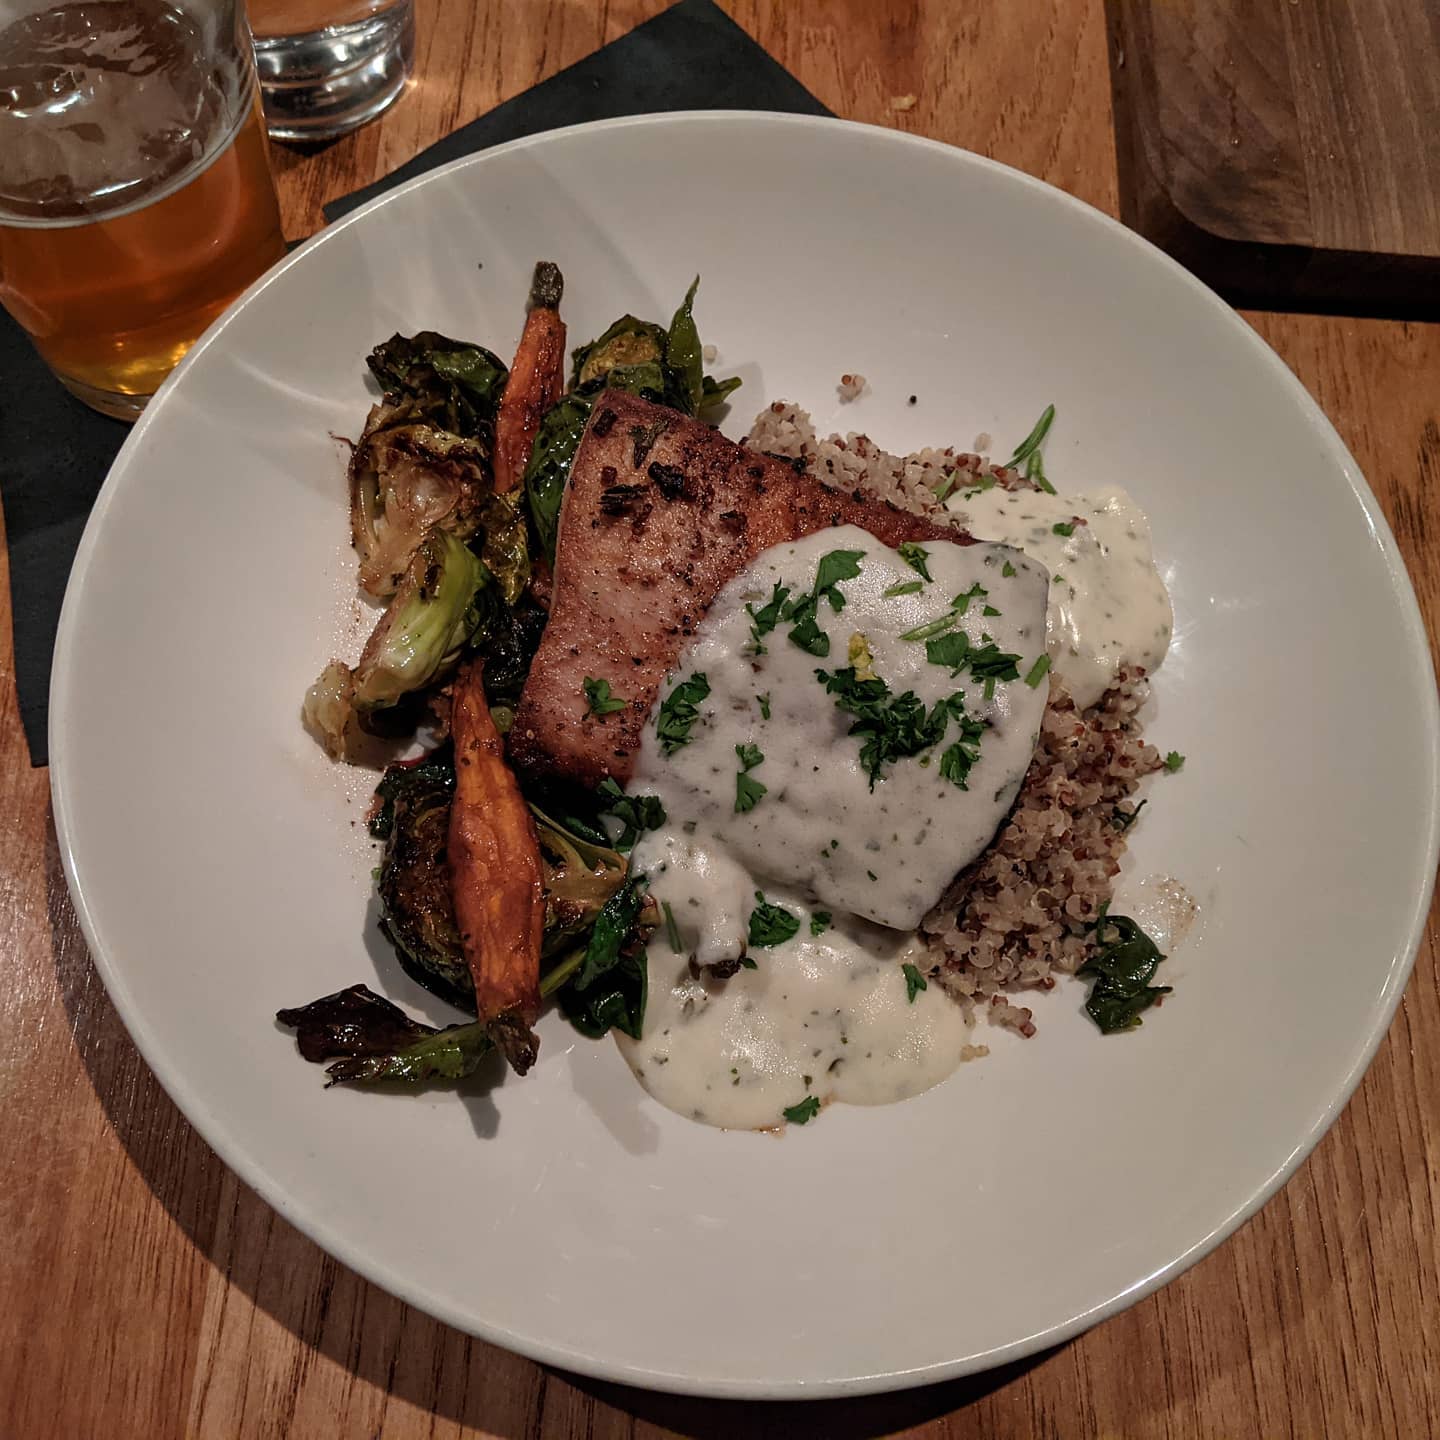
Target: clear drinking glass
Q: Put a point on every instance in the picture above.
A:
(328, 66)
(135, 194)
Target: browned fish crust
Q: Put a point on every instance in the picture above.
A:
(660, 513)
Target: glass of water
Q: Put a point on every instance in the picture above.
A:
(135, 192)
(328, 66)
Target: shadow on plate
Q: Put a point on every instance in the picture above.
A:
(335, 1314)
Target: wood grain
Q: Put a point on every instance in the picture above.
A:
(1285, 151)
(146, 1292)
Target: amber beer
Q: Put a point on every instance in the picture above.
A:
(135, 195)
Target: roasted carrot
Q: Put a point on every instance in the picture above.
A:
(536, 378)
(495, 876)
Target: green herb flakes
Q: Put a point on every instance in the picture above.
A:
(1034, 440)
(916, 557)
(771, 925)
(915, 982)
(804, 1112)
(748, 790)
(1174, 761)
(672, 930)
(599, 698)
(679, 711)
(767, 617)
(763, 701)
(820, 922)
(1066, 528)
(905, 587)
(638, 813)
(1038, 672)
(1007, 570)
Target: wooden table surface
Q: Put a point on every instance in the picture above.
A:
(145, 1292)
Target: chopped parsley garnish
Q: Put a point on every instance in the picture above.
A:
(1122, 969)
(838, 565)
(767, 617)
(976, 592)
(771, 924)
(748, 790)
(805, 1111)
(638, 812)
(764, 703)
(960, 757)
(599, 698)
(672, 930)
(805, 632)
(916, 557)
(893, 727)
(985, 662)
(819, 922)
(680, 711)
(746, 963)
(905, 587)
(989, 610)
(915, 982)
(1122, 820)
(1067, 528)
(1038, 671)
(1007, 570)
(1174, 761)
(932, 627)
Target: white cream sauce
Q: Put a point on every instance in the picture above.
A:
(1108, 604)
(827, 1015)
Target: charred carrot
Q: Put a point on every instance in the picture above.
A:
(495, 876)
(536, 378)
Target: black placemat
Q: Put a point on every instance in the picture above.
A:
(54, 451)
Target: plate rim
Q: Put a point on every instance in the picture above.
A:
(212, 1129)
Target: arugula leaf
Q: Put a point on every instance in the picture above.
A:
(638, 813)
(748, 790)
(1122, 969)
(819, 922)
(599, 698)
(915, 982)
(1174, 761)
(767, 617)
(679, 711)
(804, 1112)
(916, 557)
(771, 924)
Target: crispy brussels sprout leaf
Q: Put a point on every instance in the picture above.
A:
(683, 364)
(549, 467)
(628, 342)
(456, 384)
(580, 878)
(407, 479)
(506, 546)
(713, 391)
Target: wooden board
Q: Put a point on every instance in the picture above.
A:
(1287, 151)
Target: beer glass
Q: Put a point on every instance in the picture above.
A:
(328, 66)
(135, 193)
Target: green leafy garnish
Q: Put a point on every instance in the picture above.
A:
(767, 617)
(906, 587)
(959, 758)
(1034, 440)
(1007, 570)
(916, 557)
(915, 982)
(608, 990)
(764, 702)
(599, 698)
(748, 790)
(989, 610)
(804, 1112)
(976, 592)
(1066, 528)
(638, 813)
(805, 632)
(679, 711)
(931, 627)
(1174, 761)
(838, 565)
(985, 662)
(819, 922)
(683, 358)
(800, 610)
(672, 930)
(1038, 671)
(771, 924)
(893, 727)
(1122, 969)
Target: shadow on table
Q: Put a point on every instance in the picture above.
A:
(335, 1313)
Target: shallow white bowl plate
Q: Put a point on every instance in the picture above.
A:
(220, 867)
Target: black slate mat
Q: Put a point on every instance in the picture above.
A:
(54, 451)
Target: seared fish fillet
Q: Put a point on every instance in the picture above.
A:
(660, 513)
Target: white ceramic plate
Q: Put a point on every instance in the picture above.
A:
(220, 869)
